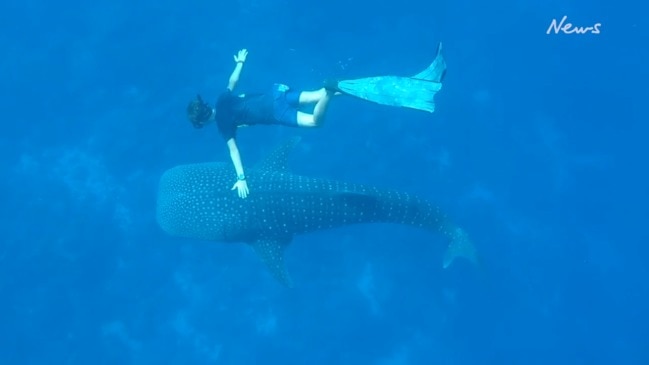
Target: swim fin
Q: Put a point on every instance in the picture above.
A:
(415, 92)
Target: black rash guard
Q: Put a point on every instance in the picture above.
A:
(232, 111)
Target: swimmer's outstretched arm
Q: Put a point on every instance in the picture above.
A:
(239, 58)
(241, 185)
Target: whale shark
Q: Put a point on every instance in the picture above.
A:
(195, 201)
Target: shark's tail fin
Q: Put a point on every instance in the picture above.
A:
(460, 246)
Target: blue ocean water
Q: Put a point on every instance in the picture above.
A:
(537, 148)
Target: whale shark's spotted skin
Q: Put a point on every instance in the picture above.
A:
(195, 201)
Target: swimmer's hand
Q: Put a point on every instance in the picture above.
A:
(241, 56)
(242, 188)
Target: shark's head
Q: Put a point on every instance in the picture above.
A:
(193, 201)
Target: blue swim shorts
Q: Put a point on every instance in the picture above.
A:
(285, 105)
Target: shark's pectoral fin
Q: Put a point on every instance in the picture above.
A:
(271, 253)
(460, 247)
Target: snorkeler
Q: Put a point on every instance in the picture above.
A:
(277, 106)
(280, 104)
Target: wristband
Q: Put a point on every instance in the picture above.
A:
(241, 177)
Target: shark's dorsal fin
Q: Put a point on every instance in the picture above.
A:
(271, 253)
(277, 161)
